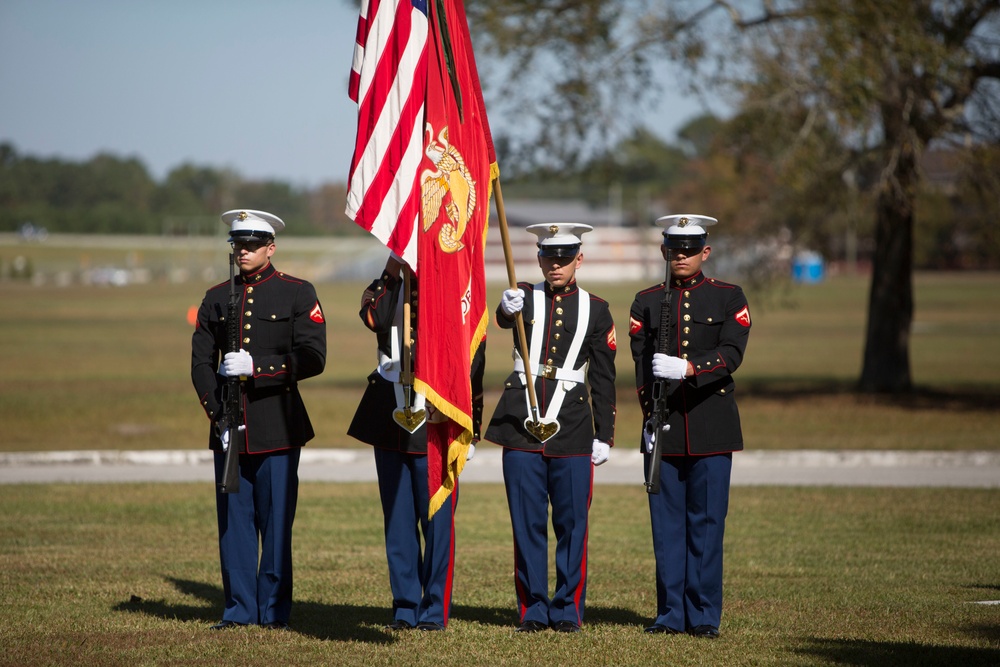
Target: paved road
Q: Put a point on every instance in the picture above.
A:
(979, 469)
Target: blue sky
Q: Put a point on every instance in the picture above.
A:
(258, 86)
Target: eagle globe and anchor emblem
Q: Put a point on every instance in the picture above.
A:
(450, 176)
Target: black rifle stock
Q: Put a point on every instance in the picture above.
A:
(656, 425)
(231, 422)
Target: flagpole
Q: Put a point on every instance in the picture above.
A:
(518, 318)
(408, 418)
(407, 357)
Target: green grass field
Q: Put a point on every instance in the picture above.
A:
(108, 368)
(128, 574)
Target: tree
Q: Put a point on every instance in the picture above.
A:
(886, 77)
(195, 190)
(630, 175)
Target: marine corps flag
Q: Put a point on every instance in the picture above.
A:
(421, 182)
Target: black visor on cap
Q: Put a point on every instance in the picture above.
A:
(250, 235)
(685, 241)
(558, 250)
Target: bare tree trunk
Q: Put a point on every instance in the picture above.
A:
(886, 366)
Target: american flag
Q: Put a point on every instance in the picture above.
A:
(388, 81)
(421, 180)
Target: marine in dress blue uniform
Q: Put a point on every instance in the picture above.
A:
(572, 344)
(283, 342)
(420, 580)
(710, 326)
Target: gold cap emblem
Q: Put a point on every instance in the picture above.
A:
(553, 229)
(683, 222)
(243, 215)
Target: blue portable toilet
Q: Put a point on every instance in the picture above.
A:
(807, 267)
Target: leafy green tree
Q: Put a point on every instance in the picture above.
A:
(641, 168)
(637, 171)
(104, 194)
(194, 190)
(292, 205)
(888, 77)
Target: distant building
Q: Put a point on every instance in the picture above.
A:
(524, 212)
(611, 252)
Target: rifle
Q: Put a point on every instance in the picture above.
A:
(656, 426)
(232, 391)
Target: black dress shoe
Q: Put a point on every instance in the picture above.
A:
(427, 626)
(657, 629)
(276, 625)
(399, 625)
(705, 631)
(565, 626)
(532, 626)
(225, 625)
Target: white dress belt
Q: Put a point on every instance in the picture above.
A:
(550, 372)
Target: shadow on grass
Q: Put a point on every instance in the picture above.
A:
(336, 622)
(865, 653)
(952, 399)
(988, 587)
(507, 616)
(330, 622)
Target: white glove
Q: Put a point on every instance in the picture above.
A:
(601, 452)
(669, 368)
(648, 440)
(237, 363)
(472, 452)
(225, 436)
(512, 301)
(649, 437)
(385, 362)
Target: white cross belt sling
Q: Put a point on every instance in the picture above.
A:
(566, 376)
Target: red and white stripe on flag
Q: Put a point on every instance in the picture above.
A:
(388, 82)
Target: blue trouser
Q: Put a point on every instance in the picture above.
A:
(532, 482)
(688, 518)
(260, 516)
(420, 583)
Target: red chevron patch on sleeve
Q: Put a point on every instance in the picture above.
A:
(743, 317)
(316, 314)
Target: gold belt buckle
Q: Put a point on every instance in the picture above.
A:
(548, 372)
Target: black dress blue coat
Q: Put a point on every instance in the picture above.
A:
(709, 327)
